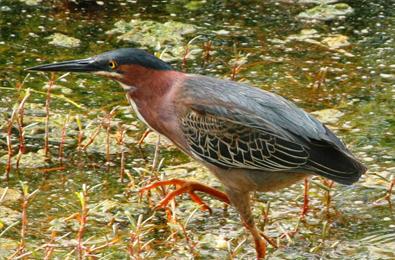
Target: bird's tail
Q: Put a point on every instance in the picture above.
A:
(336, 164)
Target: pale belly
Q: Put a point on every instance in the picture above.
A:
(247, 180)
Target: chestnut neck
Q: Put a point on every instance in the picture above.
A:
(151, 92)
(148, 84)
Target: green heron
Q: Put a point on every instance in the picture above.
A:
(250, 139)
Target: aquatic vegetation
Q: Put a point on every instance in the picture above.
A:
(343, 69)
(169, 35)
(326, 12)
(62, 40)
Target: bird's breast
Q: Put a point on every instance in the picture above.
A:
(127, 87)
(160, 118)
(137, 111)
(153, 114)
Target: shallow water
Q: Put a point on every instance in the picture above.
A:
(359, 81)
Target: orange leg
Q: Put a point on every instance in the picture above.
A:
(241, 201)
(260, 245)
(183, 186)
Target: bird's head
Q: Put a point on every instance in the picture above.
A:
(121, 64)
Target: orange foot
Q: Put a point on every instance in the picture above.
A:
(183, 186)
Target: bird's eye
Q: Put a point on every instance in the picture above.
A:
(112, 64)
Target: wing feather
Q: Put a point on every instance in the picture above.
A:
(228, 144)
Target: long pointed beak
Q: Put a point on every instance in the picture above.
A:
(83, 65)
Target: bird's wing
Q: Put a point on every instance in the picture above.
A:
(226, 126)
(253, 107)
(234, 125)
(227, 143)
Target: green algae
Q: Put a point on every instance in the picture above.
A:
(277, 51)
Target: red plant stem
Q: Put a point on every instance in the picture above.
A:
(320, 78)
(63, 139)
(122, 143)
(9, 149)
(145, 134)
(80, 133)
(206, 54)
(61, 168)
(49, 249)
(235, 71)
(9, 146)
(21, 111)
(266, 216)
(132, 238)
(21, 146)
(328, 197)
(107, 244)
(156, 156)
(305, 207)
(108, 142)
(25, 203)
(79, 139)
(24, 219)
(47, 103)
(21, 129)
(389, 193)
(135, 240)
(184, 58)
(108, 120)
(81, 231)
(83, 220)
(92, 137)
(24, 223)
(190, 243)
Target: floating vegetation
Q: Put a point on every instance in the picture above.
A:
(327, 12)
(70, 158)
(61, 40)
(170, 35)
